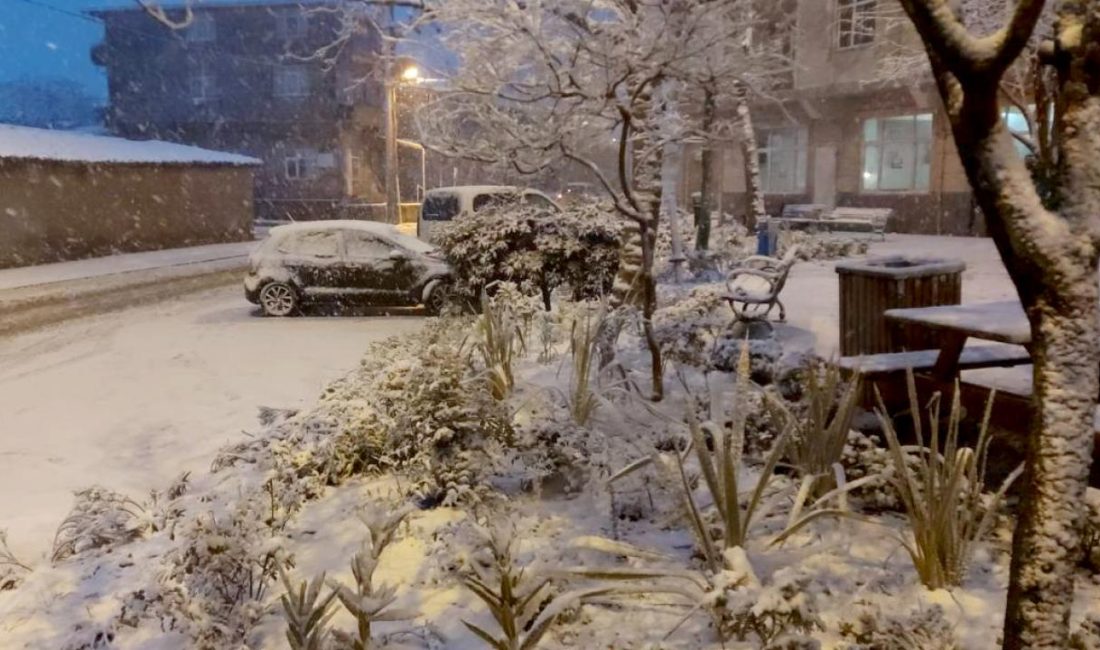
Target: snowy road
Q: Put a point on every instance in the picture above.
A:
(129, 400)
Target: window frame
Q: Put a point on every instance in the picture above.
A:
(879, 144)
(280, 86)
(287, 17)
(304, 164)
(862, 10)
(800, 153)
(203, 29)
(206, 83)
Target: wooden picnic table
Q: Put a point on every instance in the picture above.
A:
(1001, 322)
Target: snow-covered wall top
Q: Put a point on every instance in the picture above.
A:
(26, 143)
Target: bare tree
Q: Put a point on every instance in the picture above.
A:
(1052, 259)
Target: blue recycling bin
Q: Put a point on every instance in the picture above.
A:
(766, 237)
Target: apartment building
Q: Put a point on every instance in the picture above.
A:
(861, 124)
(260, 78)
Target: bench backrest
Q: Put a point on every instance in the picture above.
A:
(803, 210)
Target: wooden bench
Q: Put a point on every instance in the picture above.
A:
(972, 358)
(815, 217)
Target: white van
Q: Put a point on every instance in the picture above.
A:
(445, 203)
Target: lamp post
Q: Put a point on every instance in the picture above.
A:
(409, 75)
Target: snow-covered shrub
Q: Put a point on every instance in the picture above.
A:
(878, 629)
(688, 330)
(578, 247)
(11, 569)
(777, 614)
(100, 518)
(1087, 635)
(765, 353)
(813, 246)
(553, 451)
(865, 456)
(1090, 536)
(440, 423)
(215, 584)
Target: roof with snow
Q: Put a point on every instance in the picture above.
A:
(27, 143)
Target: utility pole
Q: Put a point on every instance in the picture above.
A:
(393, 187)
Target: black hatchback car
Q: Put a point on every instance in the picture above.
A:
(345, 261)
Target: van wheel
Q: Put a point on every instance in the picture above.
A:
(278, 299)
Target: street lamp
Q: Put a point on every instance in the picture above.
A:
(410, 74)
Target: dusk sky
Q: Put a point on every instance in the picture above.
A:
(52, 39)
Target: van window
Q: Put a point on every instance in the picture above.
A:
(539, 201)
(442, 207)
(493, 200)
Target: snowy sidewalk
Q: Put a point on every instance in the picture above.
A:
(49, 293)
(95, 267)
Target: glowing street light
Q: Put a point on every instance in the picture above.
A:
(411, 74)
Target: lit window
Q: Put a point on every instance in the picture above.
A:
(855, 22)
(782, 155)
(202, 84)
(291, 81)
(201, 29)
(897, 153)
(291, 24)
(300, 165)
(1017, 123)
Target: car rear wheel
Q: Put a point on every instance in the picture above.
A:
(278, 299)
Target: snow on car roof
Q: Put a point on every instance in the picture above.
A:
(373, 227)
(24, 142)
(128, 5)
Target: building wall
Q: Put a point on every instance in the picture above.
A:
(337, 122)
(52, 211)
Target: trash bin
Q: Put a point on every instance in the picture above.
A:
(870, 286)
(767, 237)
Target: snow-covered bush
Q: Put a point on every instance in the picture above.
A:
(866, 456)
(877, 629)
(99, 518)
(11, 569)
(777, 614)
(215, 584)
(1090, 536)
(578, 248)
(688, 329)
(440, 423)
(815, 246)
(1087, 634)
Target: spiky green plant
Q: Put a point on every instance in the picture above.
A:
(821, 426)
(366, 602)
(307, 614)
(941, 488)
(583, 399)
(499, 341)
(523, 606)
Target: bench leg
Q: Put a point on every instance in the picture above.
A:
(947, 363)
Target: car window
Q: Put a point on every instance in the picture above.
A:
(312, 244)
(493, 200)
(361, 245)
(442, 207)
(539, 201)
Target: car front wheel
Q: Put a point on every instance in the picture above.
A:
(437, 299)
(278, 299)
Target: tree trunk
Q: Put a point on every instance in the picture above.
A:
(672, 168)
(710, 111)
(756, 209)
(1046, 546)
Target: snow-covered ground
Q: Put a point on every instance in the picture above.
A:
(129, 400)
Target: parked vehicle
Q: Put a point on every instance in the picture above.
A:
(446, 203)
(345, 261)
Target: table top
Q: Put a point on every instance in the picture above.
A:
(992, 321)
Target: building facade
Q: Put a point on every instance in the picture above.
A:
(860, 124)
(272, 79)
